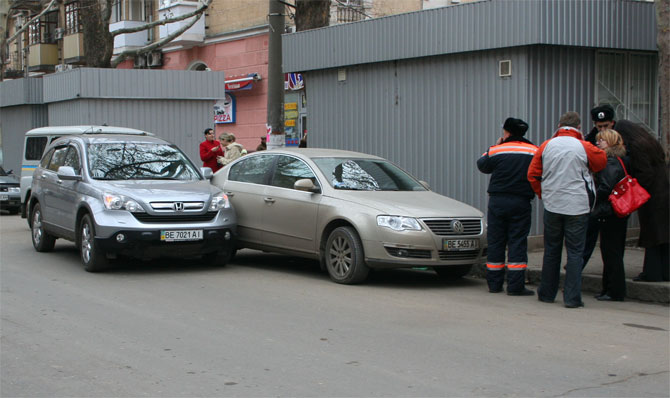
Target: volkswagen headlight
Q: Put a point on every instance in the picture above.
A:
(113, 201)
(398, 223)
(219, 201)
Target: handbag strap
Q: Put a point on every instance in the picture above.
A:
(624, 167)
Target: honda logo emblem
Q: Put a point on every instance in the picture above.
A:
(178, 206)
(457, 226)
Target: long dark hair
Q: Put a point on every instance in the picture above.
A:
(640, 142)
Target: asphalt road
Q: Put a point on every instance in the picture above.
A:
(270, 325)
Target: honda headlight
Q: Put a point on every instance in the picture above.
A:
(398, 223)
(219, 201)
(120, 202)
(14, 190)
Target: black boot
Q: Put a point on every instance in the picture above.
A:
(523, 292)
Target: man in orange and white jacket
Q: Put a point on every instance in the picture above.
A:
(560, 174)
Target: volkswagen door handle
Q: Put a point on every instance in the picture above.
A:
(269, 200)
(230, 194)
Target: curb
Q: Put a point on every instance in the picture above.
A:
(655, 292)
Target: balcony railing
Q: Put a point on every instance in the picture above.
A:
(42, 57)
(174, 8)
(73, 48)
(128, 40)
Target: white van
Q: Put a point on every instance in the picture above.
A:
(38, 139)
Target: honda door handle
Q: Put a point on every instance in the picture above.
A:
(269, 200)
(230, 194)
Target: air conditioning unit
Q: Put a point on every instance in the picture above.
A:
(140, 61)
(63, 67)
(155, 59)
(58, 33)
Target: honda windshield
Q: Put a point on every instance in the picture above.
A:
(139, 161)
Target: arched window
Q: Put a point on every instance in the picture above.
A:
(198, 66)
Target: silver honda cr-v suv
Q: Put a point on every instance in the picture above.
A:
(127, 194)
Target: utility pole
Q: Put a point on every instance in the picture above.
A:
(275, 123)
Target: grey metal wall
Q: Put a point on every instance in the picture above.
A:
(133, 83)
(483, 25)
(20, 92)
(435, 116)
(178, 121)
(175, 105)
(14, 121)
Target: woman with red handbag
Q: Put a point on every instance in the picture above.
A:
(612, 227)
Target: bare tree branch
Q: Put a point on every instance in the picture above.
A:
(25, 26)
(5, 41)
(199, 10)
(143, 50)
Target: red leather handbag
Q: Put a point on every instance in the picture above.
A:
(628, 195)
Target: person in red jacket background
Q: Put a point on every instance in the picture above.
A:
(210, 148)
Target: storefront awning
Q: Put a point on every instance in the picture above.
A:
(242, 83)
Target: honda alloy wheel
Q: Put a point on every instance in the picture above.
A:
(42, 240)
(92, 257)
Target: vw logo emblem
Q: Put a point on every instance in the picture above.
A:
(457, 226)
(178, 206)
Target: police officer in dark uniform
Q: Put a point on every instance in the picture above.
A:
(603, 119)
(509, 209)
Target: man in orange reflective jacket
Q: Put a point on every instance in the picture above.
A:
(509, 208)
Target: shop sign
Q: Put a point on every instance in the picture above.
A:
(245, 85)
(290, 106)
(293, 81)
(289, 123)
(224, 110)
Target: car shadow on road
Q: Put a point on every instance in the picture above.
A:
(406, 278)
(127, 265)
(273, 262)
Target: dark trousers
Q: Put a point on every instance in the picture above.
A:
(508, 227)
(612, 247)
(572, 229)
(656, 263)
(592, 231)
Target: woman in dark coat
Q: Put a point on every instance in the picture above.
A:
(612, 228)
(648, 165)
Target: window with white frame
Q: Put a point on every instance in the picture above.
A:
(131, 10)
(72, 18)
(628, 82)
(42, 31)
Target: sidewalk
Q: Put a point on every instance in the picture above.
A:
(658, 292)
